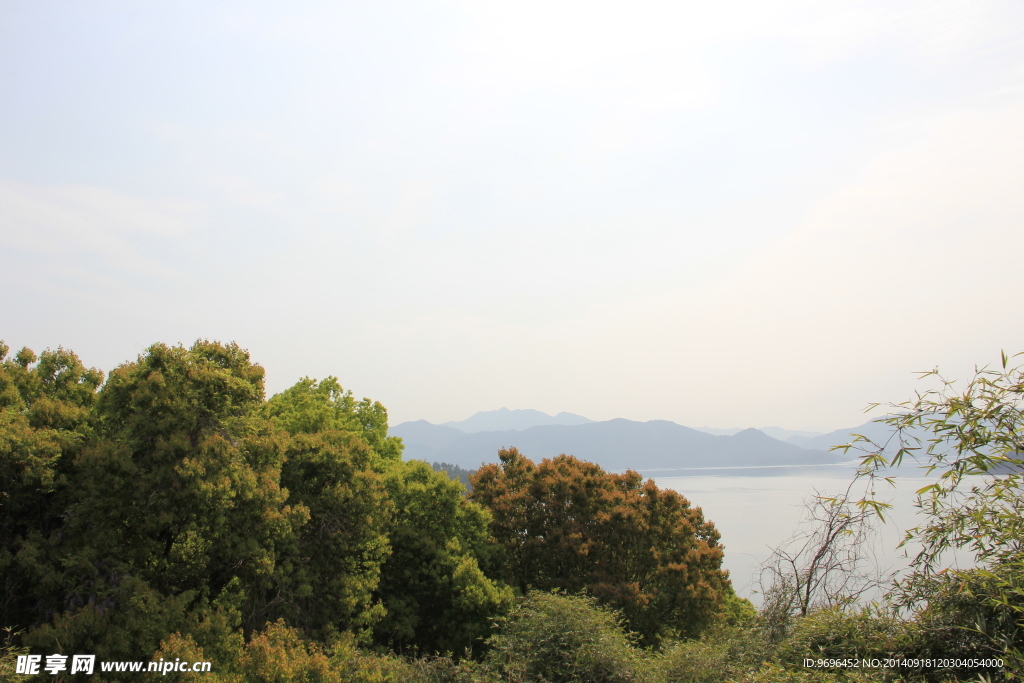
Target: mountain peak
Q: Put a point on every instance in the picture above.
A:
(506, 419)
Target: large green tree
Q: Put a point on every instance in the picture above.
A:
(426, 556)
(337, 452)
(315, 407)
(435, 587)
(567, 524)
(45, 420)
(175, 505)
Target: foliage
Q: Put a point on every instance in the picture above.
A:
(567, 524)
(45, 421)
(437, 595)
(9, 655)
(772, 672)
(361, 667)
(974, 445)
(849, 634)
(724, 652)
(564, 638)
(736, 611)
(278, 654)
(175, 503)
(455, 472)
(412, 575)
(962, 620)
(175, 511)
(312, 407)
(327, 576)
(281, 655)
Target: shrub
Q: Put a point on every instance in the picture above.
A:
(178, 646)
(774, 673)
(723, 654)
(564, 638)
(835, 633)
(962, 620)
(281, 655)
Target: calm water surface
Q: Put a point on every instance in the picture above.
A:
(756, 513)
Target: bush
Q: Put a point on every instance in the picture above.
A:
(839, 634)
(722, 654)
(774, 673)
(737, 611)
(184, 647)
(564, 638)
(962, 620)
(448, 670)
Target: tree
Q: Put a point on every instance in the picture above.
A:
(312, 407)
(567, 524)
(434, 586)
(422, 572)
(457, 473)
(45, 421)
(174, 507)
(327, 577)
(334, 466)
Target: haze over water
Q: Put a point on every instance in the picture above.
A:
(757, 513)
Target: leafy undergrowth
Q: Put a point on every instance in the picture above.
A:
(559, 638)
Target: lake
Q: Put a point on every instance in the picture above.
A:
(756, 511)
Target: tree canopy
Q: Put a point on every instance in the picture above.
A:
(175, 498)
(567, 524)
(173, 511)
(172, 508)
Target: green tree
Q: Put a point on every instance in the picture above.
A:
(425, 559)
(45, 421)
(175, 506)
(455, 472)
(327, 578)
(312, 407)
(437, 595)
(567, 524)
(334, 467)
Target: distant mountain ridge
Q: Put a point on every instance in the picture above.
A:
(774, 432)
(876, 431)
(619, 444)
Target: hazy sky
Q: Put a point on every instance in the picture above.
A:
(718, 213)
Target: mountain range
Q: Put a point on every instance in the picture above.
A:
(655, 446)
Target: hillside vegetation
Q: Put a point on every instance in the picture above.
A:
(169, 511)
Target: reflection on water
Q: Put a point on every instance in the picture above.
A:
(754, 512)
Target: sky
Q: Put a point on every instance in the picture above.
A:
(727, 214)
